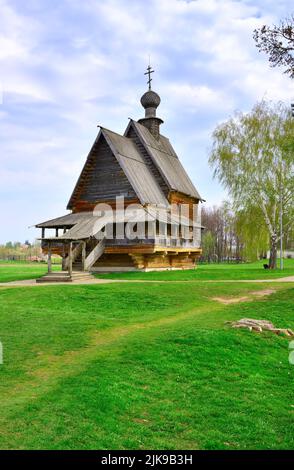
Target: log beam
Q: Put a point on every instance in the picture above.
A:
(70, 259)
(49, 258)
(83, 255)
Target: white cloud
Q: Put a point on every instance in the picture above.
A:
(19, 35)
(10, 48)
(25, 88)
(195, 98)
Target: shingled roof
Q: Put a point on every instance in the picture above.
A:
(66, 221)
(166, 160)
(133, 166)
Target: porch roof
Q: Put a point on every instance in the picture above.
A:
(89, 224)
(66, 220)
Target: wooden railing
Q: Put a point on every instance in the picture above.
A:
(75, 253)
(177, 243)
(95, 254)
(161, 241)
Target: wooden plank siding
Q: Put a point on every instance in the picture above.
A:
(104, 178)
(101, 180)
(176, 197)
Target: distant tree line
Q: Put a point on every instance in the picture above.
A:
(235, 236)
(220, 241)
(21, 251)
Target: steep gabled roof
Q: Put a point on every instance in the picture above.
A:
(166, 160)
(135, 168)
(133, 165)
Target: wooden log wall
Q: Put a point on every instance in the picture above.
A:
(141, 261)
(102, 178)
(118, 260)
(179, 198)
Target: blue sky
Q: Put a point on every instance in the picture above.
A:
(68, 65)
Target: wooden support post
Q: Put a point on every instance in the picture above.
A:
(70, 259)
(56, 232)
(49, 258)
(43, 232)
(83, 256)
(63, 258)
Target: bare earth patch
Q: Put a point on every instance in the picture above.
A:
(264, 292)
(245, 298)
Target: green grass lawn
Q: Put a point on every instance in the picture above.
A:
(222, 271)
(140, 366)
(17, 271)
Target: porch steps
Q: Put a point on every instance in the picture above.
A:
(82, 276)
(78, 276)
(77, 266)
(55, 277)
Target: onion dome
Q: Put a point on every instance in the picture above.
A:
(150, 102)
(150, 99)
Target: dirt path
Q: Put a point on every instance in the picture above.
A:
(32, 282)
(245, 298)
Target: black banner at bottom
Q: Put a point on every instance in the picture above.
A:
(153, 459)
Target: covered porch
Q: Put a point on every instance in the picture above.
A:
(78, 256)
(76, 244)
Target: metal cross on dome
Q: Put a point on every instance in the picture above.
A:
(149, 72)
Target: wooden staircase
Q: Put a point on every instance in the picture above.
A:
(78, 275)
(77, 265)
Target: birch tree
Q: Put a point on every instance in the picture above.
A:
(254, 242)
(252, 156)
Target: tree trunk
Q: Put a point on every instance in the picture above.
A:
(273, 252)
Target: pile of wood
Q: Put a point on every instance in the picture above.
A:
(260, 326)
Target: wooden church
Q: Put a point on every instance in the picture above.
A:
(137, 169)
